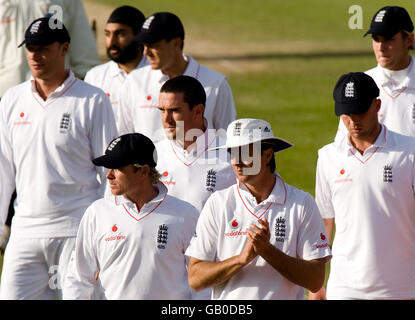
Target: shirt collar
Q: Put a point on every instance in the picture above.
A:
(162, 191)
(278, 194)
(192, 70)
(67, 83)
(115, 70)
(344, 144)
(408, 82)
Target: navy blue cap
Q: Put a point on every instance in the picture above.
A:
(354, 93)
(389, 20)
(44, 31)
(159, 26)
(131, 148)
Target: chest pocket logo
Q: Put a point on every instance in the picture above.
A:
(387, 173)
(65, 123)
(280, 229)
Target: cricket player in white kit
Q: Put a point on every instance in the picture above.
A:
(392, 38)
(137, 237)
(260, 238)
(188, 169)
(125, 53)
(163, 37)
(365, 187)
(51, 126)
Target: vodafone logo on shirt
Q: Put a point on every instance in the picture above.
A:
(21, 119)
(115, 237)
(166, 179)
(324, 245)
(234, 224)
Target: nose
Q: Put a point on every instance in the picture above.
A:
(110, 39)
(147, 51)
(110, 174)
(167, 117)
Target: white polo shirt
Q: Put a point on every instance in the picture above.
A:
(296, 228)
(397, 95)
(371, 197)
(140, 253)
(194, 176)
(139, 100)
(46, 152)
(110, 77)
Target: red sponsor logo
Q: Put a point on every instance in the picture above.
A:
(322, 236)
(236, 234)
(342, 171)
(324, 245)
(112, 238)
(114, 228)
(235, 224)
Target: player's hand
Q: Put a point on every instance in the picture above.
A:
(259, 236)
(319, 295)
(248, 253)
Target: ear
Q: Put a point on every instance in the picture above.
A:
(378, 103)
(410, 41)
(198, 110)
(65, 48)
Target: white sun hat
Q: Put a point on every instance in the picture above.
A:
(243, 132)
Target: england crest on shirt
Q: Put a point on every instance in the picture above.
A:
(211, 180)
(65, 123)
(387, 173)
(162, 236)
(280, 229)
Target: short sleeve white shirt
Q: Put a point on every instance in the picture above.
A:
(296, 229)
(371, 197)
(46, 152)
(140, 253)
(194, 176)
(110, 78)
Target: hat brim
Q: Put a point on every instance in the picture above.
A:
(109, 162)
(277, 144)
(145, 37)
(350, 108)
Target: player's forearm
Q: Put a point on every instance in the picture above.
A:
(329, 226)
(308, 274)
(206, 274)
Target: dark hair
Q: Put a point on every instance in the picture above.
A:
(271, 163)
(192, 89)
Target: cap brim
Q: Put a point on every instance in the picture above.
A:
(109, 162)
(145, 37)
(278, 144)
(349, 108)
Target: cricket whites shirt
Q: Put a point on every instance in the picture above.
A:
(110, 77)
(194, 176)
(296, 229)
(46, 152)
(371, 197)
(140, 253)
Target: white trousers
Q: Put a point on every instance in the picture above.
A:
(34, 268)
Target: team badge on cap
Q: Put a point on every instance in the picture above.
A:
(349, 90)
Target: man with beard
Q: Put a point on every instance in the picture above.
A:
(125, 53)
